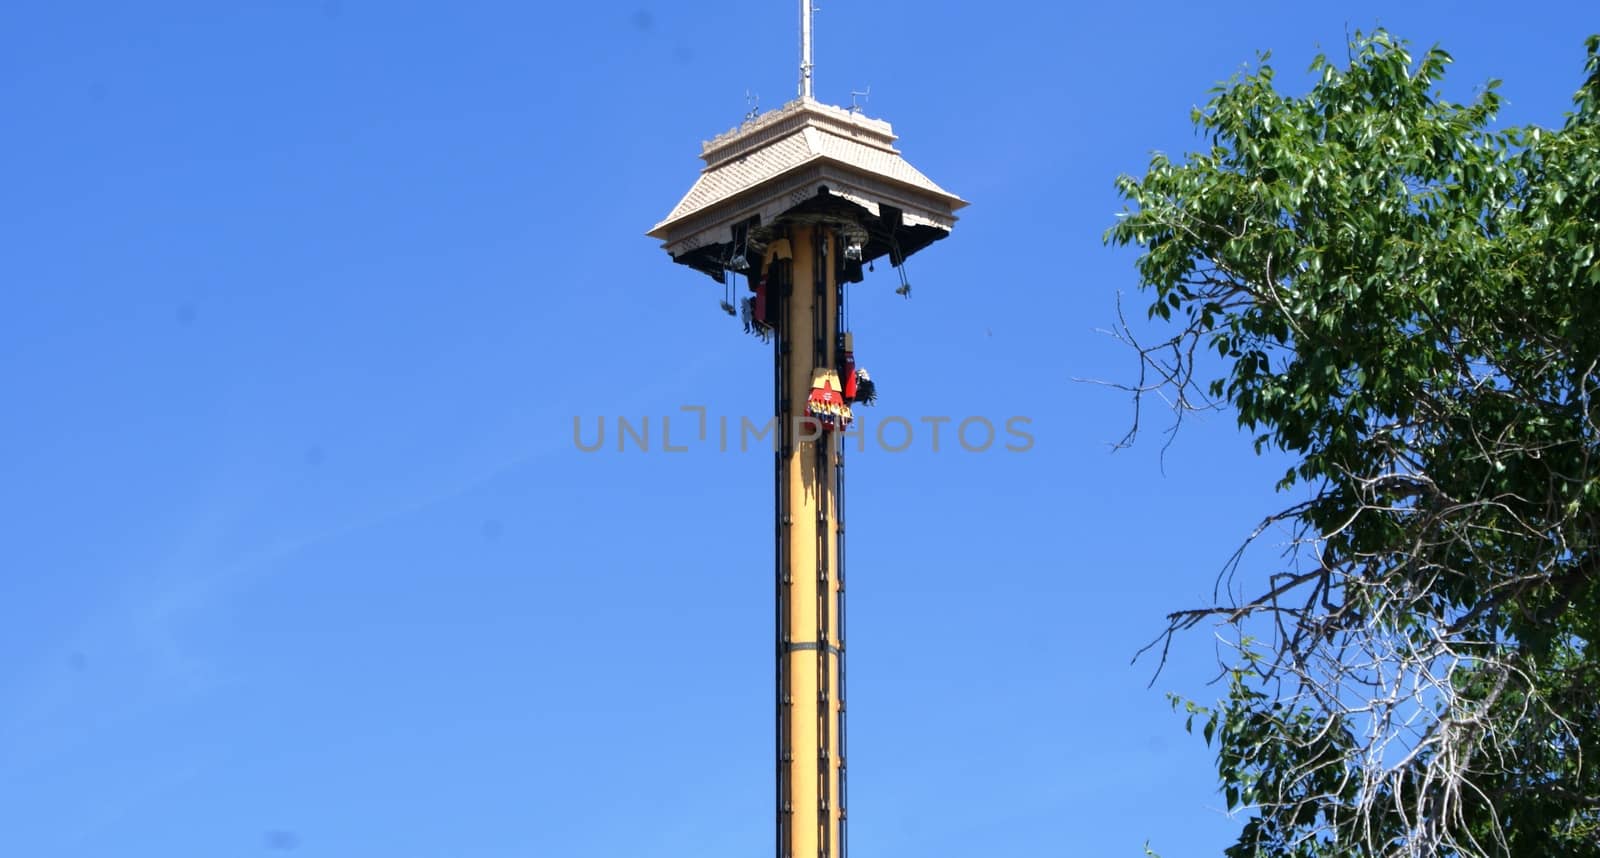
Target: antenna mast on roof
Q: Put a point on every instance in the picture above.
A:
(805, 49)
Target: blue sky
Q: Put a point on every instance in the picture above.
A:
(298, 301)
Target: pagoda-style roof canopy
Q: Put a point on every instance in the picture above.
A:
(805, 161)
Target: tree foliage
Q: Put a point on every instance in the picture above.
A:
(1404, 299)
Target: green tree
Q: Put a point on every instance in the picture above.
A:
(1405, 300)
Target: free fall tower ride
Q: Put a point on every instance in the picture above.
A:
(800, 200)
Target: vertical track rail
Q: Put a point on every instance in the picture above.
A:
(781, 278)
(843, 811)
(822, 472)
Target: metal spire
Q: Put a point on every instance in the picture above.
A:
(805, 49)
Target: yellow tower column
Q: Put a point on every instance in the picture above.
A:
(810, 646)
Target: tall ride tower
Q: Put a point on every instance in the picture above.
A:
(800, 200)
